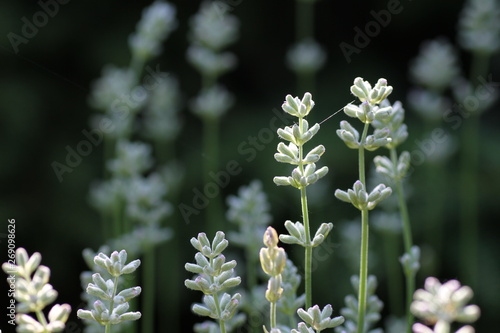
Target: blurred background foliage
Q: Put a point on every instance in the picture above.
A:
(44, 91)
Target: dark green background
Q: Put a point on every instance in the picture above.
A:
(44, 90)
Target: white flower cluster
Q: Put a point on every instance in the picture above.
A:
(34, 293)
(157, 22)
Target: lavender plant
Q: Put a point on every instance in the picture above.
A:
(250, 212)
(133, 205)
(302, 176)
(388, 225)
(368, 111)
(479, 33)
(111, 305)
(33, 293)
(395, 169)
(305, 57)
(212, 30)
(213, 277)
(434, 70)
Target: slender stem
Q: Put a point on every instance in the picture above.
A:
(436, 177)
(304, 12)
(468, 198)
(39, 314)
(108, 226)
(291, 320)
(363, 267)
(41, 318)
(148, 279)
(407, 238)
(468, 180)
(164, 151)
(405, 217)
(222, 324)
(251, 270)
(137, 66)
(308, 247)
(272, 314)
(112, 304)
(363, 270)
(109, 152)
(170, 293)
(210, 158)
(361, 155)
(117, 219)
(391, 250)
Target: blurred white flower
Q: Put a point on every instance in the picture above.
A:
(430, 105)
(132, 158)
(209, 62)
(213, 27)
(113, 85)
(436, 66)
(212, 102)
(479, 26)
(145, 202)
(157, 22)
(161, 121)
(306, 57)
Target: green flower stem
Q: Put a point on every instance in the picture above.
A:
(304, 29)
(39, 314)
(468, 180)
(363, 271)
(127, 223)
(251, 270)
(361, 155)
(407, 234)
(210, 158)
(391, 250)
(292, 321)
(41, 318)
(306, 81)
(308, 247)
(304, 12)
(208, 81)
(468, 199)
(164, 151)
(148, 280)
(436, 176)
(222, 324)
(108, 226)
(109, 153)
(137, 66)
(272, 314)
(363, 267)
(408, 242)
(117, 219)
(170, 293)
(112, 303)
